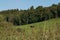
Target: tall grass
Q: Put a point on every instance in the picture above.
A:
(47, 30)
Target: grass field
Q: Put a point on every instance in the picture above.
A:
(46, 30)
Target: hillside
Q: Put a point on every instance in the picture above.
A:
(45, 24)
(31, 15)
(46, 30)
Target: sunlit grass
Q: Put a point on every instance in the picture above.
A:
(46, 30)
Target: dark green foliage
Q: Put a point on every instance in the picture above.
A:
(32, 26)
(31, 15)
(58, 9)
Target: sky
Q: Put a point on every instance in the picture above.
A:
(25, 4)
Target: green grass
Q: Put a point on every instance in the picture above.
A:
(46, 30)
(48, 23)
(44, 27)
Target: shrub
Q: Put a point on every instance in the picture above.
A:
(31, 26)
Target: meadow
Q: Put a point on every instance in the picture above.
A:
(46, 30)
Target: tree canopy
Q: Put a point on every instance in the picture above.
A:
(31, 15)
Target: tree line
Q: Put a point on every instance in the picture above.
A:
(31, 15)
